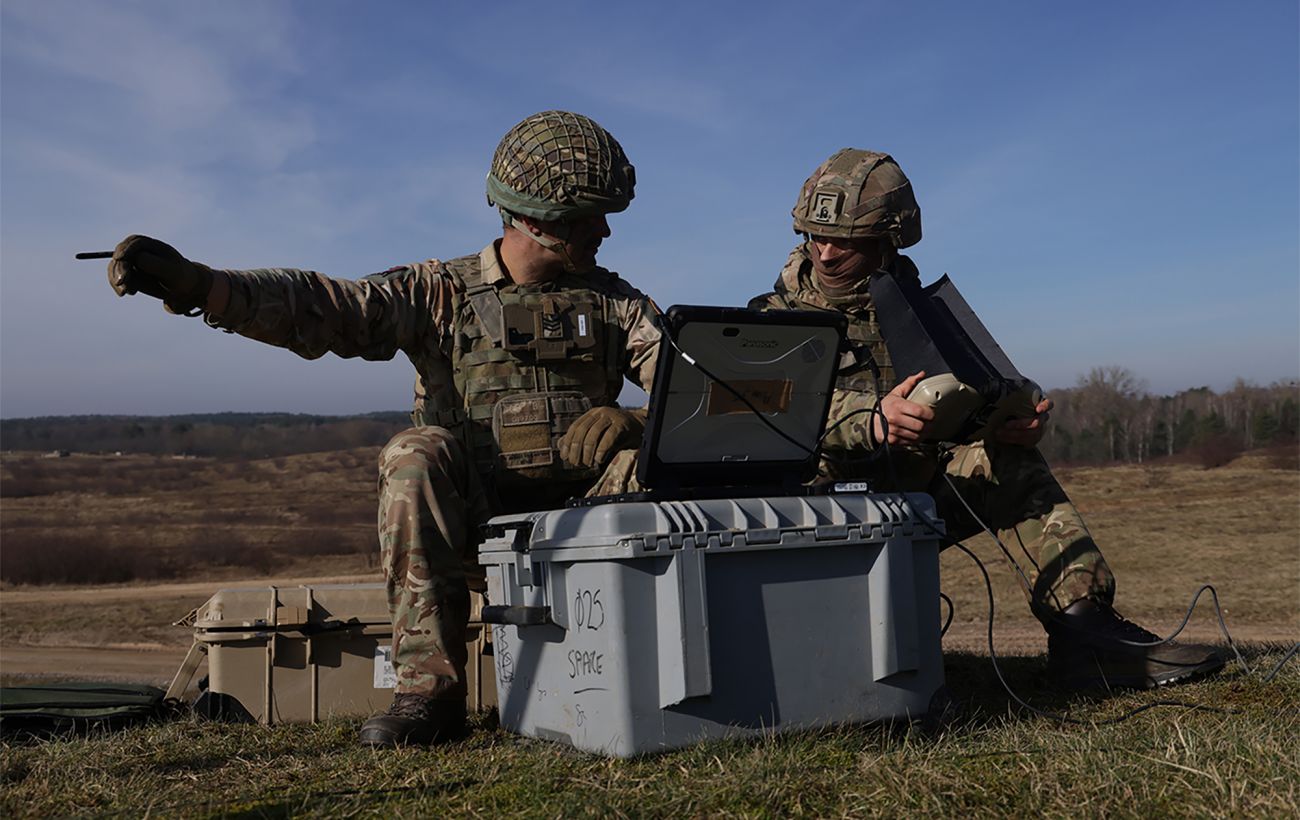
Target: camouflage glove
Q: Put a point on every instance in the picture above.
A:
(599, 433)
(144, 265)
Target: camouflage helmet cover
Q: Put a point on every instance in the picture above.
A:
(557, 165)
(858, 194)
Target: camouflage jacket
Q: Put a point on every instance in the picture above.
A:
(434, 311)
(796, 289)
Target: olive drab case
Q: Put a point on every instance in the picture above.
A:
(302, 654)
(971, 384)
(634, 627)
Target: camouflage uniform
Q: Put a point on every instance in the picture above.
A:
(489, 409)
(1011, 488)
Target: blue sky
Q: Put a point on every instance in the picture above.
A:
(1107, 183)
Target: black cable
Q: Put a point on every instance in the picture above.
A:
(1288, 656)
(997, 669)
(814, 452)
(988, 585)
(733, 391)
(1029, 587)
(952, 610)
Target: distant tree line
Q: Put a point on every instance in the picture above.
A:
(1109, 416)
(251, 435)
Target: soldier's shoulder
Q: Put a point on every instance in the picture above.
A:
(794, 273)
(608, 282)
(452, 272)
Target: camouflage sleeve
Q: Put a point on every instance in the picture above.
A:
(851, 416)
(636, 316)
(765, 301)
(312, 314)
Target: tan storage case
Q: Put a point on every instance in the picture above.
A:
(302, 654)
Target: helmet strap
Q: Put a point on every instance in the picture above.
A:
(551, 243)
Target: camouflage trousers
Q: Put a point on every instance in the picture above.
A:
(1012, 490)
(432, 503)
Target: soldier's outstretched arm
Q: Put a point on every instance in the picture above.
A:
(303, 311)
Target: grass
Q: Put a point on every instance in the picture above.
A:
(989, 759)
(1164, 529)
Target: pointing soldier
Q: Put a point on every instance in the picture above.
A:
(855, 213)
(520, 352)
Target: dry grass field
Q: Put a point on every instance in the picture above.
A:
(100, 554)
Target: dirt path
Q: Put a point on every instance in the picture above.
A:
(30, 664)
(75, 595)
(54, 644)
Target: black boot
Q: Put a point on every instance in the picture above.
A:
(1089, 646)
(415, 720)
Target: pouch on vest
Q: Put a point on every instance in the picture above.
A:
(528, 427)
(970, 384)
(549, 326)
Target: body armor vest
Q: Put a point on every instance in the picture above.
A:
(525, 362)
(795, 290)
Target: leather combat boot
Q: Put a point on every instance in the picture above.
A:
(415, 720)
(1089, 646)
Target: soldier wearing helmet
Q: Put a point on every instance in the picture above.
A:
(520, 352)
(854, 213)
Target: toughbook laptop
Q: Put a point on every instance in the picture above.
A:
(739, 401)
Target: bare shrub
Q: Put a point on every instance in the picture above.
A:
(1216, 451)
(1284, 456)
(225, 517)
(31, 558)
(27, 479)
(1154, 478)
(328, 541)
(23, 487)
(206, 547)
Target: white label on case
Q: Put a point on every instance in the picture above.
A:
(852, 487)
(385, 677)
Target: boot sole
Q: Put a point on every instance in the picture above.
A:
(1177, 675)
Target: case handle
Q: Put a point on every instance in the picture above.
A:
(517, 615)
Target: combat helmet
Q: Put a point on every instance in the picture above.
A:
(558, 166)
(857, 194)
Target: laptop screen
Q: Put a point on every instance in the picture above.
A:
(740, 397)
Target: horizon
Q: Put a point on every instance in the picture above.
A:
(1108, 185)
(1144, 393)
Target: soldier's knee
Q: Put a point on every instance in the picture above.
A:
(423, 447)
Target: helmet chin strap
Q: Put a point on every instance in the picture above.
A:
(551, 243)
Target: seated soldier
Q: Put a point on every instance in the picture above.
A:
(855, 212)
(520, 352)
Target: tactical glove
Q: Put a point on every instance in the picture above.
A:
(144, 265)
(600, 432)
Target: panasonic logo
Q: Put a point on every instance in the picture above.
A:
(759, 343)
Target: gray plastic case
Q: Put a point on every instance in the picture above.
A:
(658, 624)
